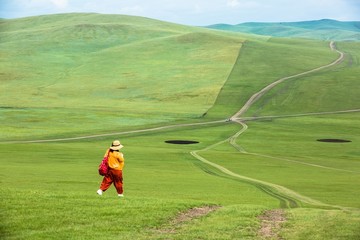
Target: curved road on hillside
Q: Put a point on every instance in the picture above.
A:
(259, 94)
(287, 197)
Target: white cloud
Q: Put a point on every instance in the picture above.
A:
(198, 8)
(233, 3)
(62, 4)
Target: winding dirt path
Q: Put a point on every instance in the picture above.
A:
(116, 133)
(235, 117)
(259, 94)
(287, 197)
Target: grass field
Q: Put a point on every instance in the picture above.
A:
(119, 74)
(84, 72)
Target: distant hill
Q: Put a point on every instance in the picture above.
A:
(90, 68)
(325, 29)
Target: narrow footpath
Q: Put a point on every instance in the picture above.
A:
(287, 197)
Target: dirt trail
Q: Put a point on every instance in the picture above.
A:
(259, 94)
(287, 197)
(115, 133)
(271, 222)
(235, 117)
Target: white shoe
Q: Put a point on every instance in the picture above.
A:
(120, 195)
(100, 192)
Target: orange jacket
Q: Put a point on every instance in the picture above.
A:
(115, 160)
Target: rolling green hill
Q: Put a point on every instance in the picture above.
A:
(66, 78)
(79, 68)
(325, 29)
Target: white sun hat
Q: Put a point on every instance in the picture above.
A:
(116, 145)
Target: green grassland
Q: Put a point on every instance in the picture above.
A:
(263, 62)
(325, 91)
(73, 71)
(72, 75)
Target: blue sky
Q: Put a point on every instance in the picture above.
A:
(194, 12)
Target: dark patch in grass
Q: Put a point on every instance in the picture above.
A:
(181, 142)
(333, 140)
(193, 213)
(271, 223)
(187, 216)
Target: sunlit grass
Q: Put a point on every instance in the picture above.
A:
(117, 74)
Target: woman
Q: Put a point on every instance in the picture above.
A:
(116, 165)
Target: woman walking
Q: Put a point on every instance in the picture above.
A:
(116, 165)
